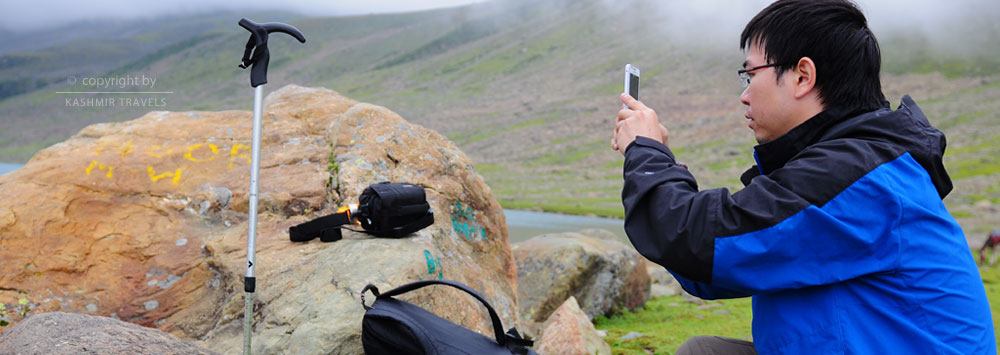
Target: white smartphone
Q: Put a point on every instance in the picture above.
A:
(631, 82)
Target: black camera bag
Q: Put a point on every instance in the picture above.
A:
(391, 326)
(385, 210)
(390, 210)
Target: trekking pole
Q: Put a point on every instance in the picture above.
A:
(256, 55)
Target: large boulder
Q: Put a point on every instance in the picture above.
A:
(568, 331)
(146, 221)
(663, 283)
(603, 274)
(70, 333)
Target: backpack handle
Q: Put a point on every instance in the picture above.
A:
(497, 325)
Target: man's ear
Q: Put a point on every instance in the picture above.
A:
(805, 77)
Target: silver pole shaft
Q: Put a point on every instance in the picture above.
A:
(249, 282)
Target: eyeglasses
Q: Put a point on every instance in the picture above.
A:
(745, 73)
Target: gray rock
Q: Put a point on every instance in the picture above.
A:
(71, 333)
(657, 290)
(689, 298)
(664, 283)
(604, 275)
(307, 295)
(151, 305)
(659, 275)
(569, 331)
(598, 233)
(631, 335)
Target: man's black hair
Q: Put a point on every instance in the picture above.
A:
(835, 35)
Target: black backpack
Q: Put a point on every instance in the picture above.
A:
(391, 326)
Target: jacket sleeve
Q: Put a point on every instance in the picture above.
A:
(761, 239)
(706, 291)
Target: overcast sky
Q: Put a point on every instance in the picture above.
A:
(698, 16)
(22, 15)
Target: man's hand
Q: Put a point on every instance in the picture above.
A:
(636, 120)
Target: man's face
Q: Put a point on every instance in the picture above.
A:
(767, 100)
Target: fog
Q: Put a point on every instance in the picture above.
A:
(951, 24)
(21, 16)
(943, 23)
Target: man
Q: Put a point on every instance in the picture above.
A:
(840, 235)
(992, 240)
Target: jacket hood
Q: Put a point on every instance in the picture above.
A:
(907, 127)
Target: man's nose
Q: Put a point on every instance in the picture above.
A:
(744, 97)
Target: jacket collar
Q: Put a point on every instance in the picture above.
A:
(773, 155)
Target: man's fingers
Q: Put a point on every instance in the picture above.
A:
(623, 114)
(632, 103)
(664, 135)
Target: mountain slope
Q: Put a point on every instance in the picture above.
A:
(529, 91)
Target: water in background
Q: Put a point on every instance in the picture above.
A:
(522, 225)
(6, 168)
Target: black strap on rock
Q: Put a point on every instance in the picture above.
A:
(516, 343)
(374, 292)
(327, 228)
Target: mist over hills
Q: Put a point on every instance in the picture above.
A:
(527, 89)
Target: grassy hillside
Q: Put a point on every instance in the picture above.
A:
(33, 60)
(527, 89)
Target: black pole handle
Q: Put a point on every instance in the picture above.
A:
(256, 54)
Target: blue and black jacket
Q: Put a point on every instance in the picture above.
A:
(840, 235)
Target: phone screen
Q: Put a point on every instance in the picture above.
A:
(633, 86)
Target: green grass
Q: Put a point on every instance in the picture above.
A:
(979, 197)
(144, 62)
(535, 122)
(490, 168)
(962, 214)
(991, 280)
(569, 155)
(667, 322)
(27, 150)
(465, 33)
(603, 207)
(981, 147)
(472, 136)
(966, 168)
(562, 140)
(728, 163)
(963, 118)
